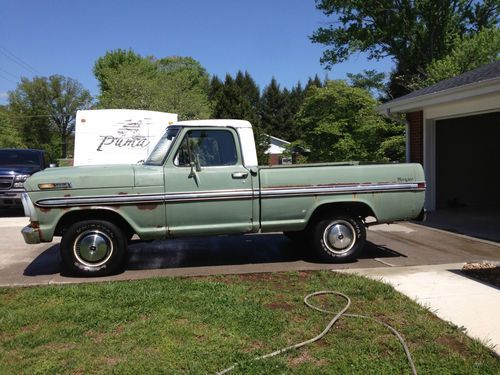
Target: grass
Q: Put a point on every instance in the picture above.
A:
(203, 325)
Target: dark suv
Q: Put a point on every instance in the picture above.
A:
(16, 165)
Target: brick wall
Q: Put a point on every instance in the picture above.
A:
(416, 136)
(274, 159)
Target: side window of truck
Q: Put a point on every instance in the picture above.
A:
(212, 147)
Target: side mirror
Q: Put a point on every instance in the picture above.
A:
(52, 165)
(140, 162)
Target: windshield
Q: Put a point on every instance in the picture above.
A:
(157, 157)
(18, 157)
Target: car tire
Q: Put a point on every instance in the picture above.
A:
(338, 239)
(93, 248)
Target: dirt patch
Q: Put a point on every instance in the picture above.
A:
(485, 272)
(30, 328)
(279, 306)
(255, 345)
(58, 346)
(304, 357)
(453, 343)
(97, 337)
(111, 361)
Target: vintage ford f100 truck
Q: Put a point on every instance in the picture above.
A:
(202, 178)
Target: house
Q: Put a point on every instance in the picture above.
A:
(453, 130)
(275, 151)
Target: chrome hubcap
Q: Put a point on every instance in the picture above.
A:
(93, 248)
(339, 236)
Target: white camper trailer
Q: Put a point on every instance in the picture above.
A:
(118, 136)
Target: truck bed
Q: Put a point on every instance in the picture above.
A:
(385, 190)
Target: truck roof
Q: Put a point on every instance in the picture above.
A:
(231, 123)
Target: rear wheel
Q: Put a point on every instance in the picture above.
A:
(93, 248)
(339, 239)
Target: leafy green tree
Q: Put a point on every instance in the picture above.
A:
(10, 135)
(45, 110)
(370, 80)
(184, 84)
(132, 86)
(173, 84)
(29, 112)
(65, 97)
(469, 53)
(412, 33)
(339, 123)
(113, 62)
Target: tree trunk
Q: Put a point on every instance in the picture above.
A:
(64, 146)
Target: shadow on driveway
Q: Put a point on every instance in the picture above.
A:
(207, 252)
(12, 212)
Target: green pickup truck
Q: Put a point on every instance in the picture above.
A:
(202, 179)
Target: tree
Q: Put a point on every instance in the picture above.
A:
(316, 82)
(10, 135)
(46, 107)
(412, 33)
(274, 111)
(65, 97)
(184, 86)
(339, 123)
(469, 53)
(370, 80)
(215, 89)
(238, 98)
(172, 84)
(113, 62)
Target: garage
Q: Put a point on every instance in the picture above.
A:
(467, 162)
(453, 130)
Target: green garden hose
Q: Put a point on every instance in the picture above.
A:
(329, 326)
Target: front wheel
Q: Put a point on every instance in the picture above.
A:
(339, 239)
(93, 248)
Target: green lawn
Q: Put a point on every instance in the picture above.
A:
(203, 325)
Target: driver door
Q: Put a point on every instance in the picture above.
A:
(207, 188)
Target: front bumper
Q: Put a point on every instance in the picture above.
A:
(31, 235)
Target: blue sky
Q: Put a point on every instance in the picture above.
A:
(266, 38)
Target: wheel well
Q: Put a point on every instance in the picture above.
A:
(355, 209)
(92, 214)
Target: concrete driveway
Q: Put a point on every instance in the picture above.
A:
(388, 246)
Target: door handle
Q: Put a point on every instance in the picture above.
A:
(239, 175)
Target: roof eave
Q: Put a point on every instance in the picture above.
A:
(455, 93)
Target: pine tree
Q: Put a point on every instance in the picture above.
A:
(294, 102)
(313, 82)
(273, 110)
(236, 100)
(215, 89)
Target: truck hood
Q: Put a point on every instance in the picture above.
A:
(19, 169)
(88, 176)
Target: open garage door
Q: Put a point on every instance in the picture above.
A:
(468, 162)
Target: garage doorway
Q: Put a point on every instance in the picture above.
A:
(468, 176)
(468, 162)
